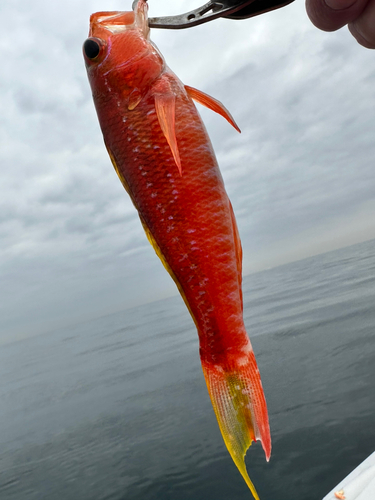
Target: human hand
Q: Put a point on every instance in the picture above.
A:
(359, 15)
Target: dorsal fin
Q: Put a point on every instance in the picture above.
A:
(211, 103)
(238, 249)
(165, 104)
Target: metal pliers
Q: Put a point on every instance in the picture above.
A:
(229, 9)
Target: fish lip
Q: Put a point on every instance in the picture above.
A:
(107, 21)
(118, 21)
(141, 18)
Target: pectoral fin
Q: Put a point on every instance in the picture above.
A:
(134, 99)
(211, 103)
(165, 110)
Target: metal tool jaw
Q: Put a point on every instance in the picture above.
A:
(229, 9)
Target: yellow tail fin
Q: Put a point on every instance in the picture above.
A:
(237, 397)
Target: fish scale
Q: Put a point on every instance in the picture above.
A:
(162, 154)
(194, 204)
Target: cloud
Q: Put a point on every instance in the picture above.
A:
(300, 175)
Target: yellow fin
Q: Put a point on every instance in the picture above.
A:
(232, 399)
(120, 176)
(160, 254)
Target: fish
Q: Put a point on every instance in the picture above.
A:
(164, 158)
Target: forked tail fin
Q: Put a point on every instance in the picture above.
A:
(237, 396)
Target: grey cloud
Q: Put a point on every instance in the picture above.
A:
(300, 175)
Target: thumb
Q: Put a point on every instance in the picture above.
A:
(330, 15)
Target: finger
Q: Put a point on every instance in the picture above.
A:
(330, 15)
(363, 28)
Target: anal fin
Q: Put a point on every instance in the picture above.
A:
(164, 261)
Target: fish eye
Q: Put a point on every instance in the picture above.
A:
(92, 48)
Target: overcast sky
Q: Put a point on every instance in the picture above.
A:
(300, 176)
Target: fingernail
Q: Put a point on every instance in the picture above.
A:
(340, 4)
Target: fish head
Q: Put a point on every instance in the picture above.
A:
(118, 53)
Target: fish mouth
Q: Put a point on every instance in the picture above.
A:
(140, 8)
(117, 22)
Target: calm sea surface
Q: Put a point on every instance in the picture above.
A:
(118, 409)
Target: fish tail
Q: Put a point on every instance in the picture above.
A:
(237, 397)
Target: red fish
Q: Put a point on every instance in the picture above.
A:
(163, 156)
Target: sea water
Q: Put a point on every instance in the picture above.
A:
(117, 408)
